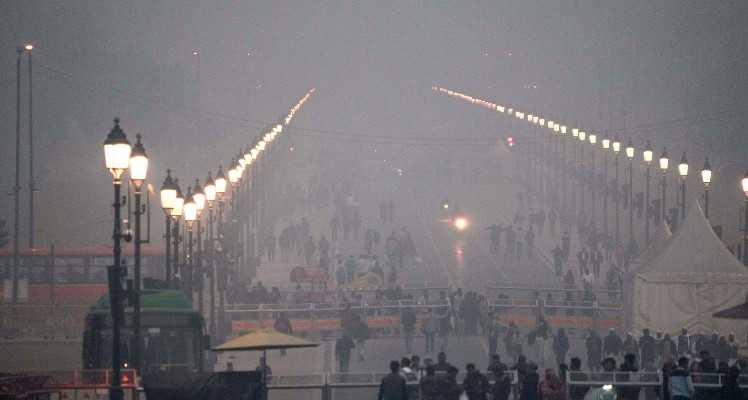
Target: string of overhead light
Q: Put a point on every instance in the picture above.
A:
(556, 158)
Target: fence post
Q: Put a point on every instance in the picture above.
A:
(326, 395)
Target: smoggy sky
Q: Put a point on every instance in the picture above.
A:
(671, 71)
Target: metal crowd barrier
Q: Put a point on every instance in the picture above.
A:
(594, 380)
(338, 386)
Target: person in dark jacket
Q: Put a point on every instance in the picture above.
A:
(684, 343)
(475, 384)
(393, 385)
(730, 388)
(629, 365)
(560, 345)
(648, 351)
(577, 392)
(502, 387)
(529, 386)
(343, 347)
(594, 350)
(448, 387)
(429, 385)
(612, 344)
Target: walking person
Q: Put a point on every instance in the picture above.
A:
(393, 385)
(429, 327)
(475, 384)
(343, 347)
(560, 346)
(361, 335)
(408, 321)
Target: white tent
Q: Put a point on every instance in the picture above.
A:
(693, 277)
(658, 241)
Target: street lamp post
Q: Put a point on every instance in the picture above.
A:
(138, 174)
(593, 142)
(17, 185)
(199, 197)
(606, 147)
(190, 215)
(664, 161)
(744, 185)
(32, 187)
(683, 172)
(168, 195)
(117, 157)
(616, 151)
(573, 173)
(210, 197)
(630, 155)
(647, 154)
(176, 214)
(221, 183)
(582, 172)
(706, 179)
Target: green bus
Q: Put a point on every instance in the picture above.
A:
(173, 334)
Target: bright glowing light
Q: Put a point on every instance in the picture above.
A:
(461, 223)
(607, 388)
(28, 47)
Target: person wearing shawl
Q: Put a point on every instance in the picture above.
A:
(552, 388)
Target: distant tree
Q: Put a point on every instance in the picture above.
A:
(4, 236)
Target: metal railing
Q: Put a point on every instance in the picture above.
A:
(354, 386)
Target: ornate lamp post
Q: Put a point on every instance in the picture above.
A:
(606, 148)
(664, 161)
(683, 172)
(176, 215)
(593, 142)
(117, 151)
(630, 155)
(199, 197)
(168, 196)
(221, 183)
(210, 198)
(582, 172)
(616, 151)
(706, 179)
(190, 216)
(138, 174)
(647, 155)
(744, 186)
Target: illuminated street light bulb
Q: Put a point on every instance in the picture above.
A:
(168, 193)
(683, 167)
(706, 173)
(616, 146)
(138, 164)
(664, 160)
(461, 223)
(535, 119)
(210, 190)
(220, 183)
(556, 128)
(647, 153)
(606, 144)
(575, 132)
(593, 139)
(582, 136)
(117, 151)
(199, 196)
(28, 46)
(542, 122)
(176, 211)
(190, 208)
(563, 129)
(630, 150)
